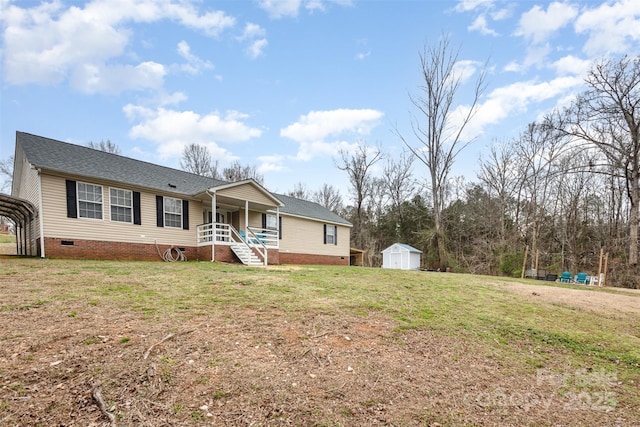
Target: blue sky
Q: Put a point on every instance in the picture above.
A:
(285, 84)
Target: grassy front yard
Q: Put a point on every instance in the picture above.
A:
(309, 345)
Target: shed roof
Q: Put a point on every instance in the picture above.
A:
(403, 246)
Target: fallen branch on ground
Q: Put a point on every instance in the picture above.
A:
(166, 338)
(97, 396)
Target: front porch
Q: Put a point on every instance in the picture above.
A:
(251, 245)
(243, 217)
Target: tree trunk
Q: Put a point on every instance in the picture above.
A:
(633, 218)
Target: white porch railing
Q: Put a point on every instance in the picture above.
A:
(266, 236)
(257, 240)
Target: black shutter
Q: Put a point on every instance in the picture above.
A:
(325, 234)
(136, 208)
(185, 214)
(72, 201)
(280, 227)
(264, 221)
(159, 211)
(335, 235)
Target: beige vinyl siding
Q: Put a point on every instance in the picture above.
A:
(28, 179)
(306, 236)
(255, 219)
(56, 223)
(247, 192)
(29, 190)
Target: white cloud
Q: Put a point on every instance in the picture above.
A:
(536, 55)
(256, 48)
(115, 79)
(252, 31)
(194, 64)
(313, 5)
(172, 130)
(464, 69)
(513, 66)
(319, 132)
(480, 25)
(363, 55)
(170, 98)
(254, 35)
(277, 9)
(569, 65)
(48, 44)
(468, 5)
(517, 97)
(501, 14)
(539, 25)
(613, 27)
(280, 8)
(274, 163)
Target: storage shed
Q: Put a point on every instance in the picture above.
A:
(401, 256)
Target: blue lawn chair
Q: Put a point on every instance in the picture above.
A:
(582, 278)
(565, 277)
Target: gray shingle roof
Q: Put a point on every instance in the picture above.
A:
(308, 209)
(67, 158)
(74, 159)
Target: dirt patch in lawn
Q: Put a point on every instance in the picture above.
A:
(77, 364)
(610, 302)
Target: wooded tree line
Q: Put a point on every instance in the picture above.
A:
(566, 187)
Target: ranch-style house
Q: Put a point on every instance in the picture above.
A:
(71, 201)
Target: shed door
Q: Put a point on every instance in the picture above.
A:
(395, 259)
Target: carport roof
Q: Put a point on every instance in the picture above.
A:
(16, 209)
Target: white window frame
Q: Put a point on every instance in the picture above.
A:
(92, 202)
(165, 211)
(271, 218)
(112, 204)
(331, 234)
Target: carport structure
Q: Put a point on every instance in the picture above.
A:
(23, 214)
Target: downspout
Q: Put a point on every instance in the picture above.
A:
(40, 214)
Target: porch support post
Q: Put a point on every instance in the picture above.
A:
(278, 227)
(213, 225)
(246, 215)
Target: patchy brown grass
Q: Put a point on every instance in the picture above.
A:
(320, 346)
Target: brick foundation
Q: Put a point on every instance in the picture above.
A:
(94, 249)
(290, 258)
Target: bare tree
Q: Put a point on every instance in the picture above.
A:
(539, 149)
(440, 131)
(106, 146)
(498, 174)
(399, 184)
(300, 191)
(607, 116)
(329, 197)
(6, 173)
(358, 166)
(197, 159)
(238, 172)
